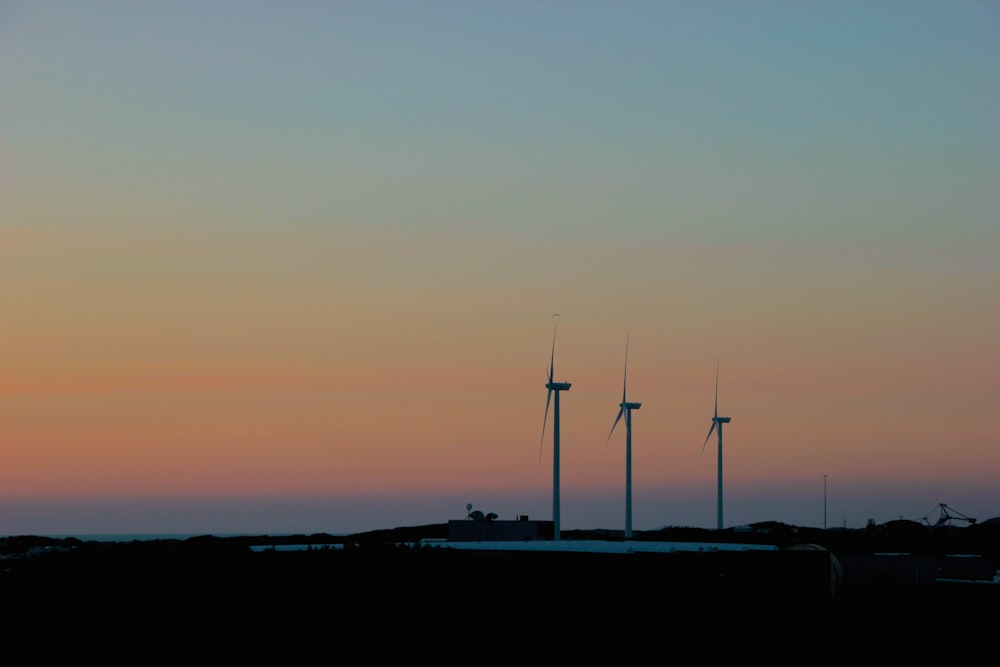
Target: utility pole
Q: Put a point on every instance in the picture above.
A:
(824, 502)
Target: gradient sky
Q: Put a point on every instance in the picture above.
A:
(292, 267)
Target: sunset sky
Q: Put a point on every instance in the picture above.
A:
(274, 267)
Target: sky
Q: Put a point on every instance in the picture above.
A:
(295, 267)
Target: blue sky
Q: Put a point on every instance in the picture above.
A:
(253, 252)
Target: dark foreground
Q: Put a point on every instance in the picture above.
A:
(401, 599)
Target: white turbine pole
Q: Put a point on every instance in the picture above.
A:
(628, 475)
(556, 387)
(719, 522)
(555, 471)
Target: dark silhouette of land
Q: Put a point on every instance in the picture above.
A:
(849, 583)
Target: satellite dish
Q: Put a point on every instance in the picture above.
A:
(468, 508)
(476, 516)
(491, 516)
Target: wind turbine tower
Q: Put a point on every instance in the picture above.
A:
(717, 423)
(625, 410)
(554, 388)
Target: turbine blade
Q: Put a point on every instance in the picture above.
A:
(545, 420)
(708, 436)
(548, 397)
(621, 411)
(625, 380)
(552, 361)
(716, 388)
(548, 401)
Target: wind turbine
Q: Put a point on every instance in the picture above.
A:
(625, 410)
(717, 423)
(555, 387)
